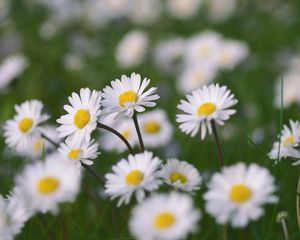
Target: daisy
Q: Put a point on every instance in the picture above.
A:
(290, 138)
(221, 10)
(155, 128)
(136, 175)
(181, 175)
(111, 142)
(81, 117)
(43, 185)
(234, 197)
(80, 152)
(127, 95)
(164, 217)
(20, 131)
(145, 12)
(183, 9)
(132, 49)
(204, 105)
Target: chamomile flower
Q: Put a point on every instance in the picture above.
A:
(164, 217)
(21, 131)
(136, 175)
(181, 175)
(183, 9)
(132, 49)
(290, 138)
(127, 95)
(80, 152)
(45, 184)
(234, 197)
(81, 118)
(155, 128)
(111, 142)
(209, 103)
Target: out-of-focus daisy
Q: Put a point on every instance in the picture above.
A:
(290, 138)
(10, 68)
(231, 53)
(155, 128)
(25, 127)
(195, 76)
(204, 105)
(127, 95)
(81, 118)
(144, 11)
(181, 175)
(164, 217)
(111, 142)
(183, 9)
(43, 185)
(132, 49)
(220, 10)
(234, 197)
(136, 175)
(80, 152)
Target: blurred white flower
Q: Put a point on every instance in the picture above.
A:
(220, 10)
(164, 217)
(145, 11)
(233, 197)
(183, 9)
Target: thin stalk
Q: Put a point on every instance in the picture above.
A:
(298, 202)
(99, 178)
(103, 126)
(215, 133)
(51, 141)
(285, 229)
(138, 131)
(224, 232)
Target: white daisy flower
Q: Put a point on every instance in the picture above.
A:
(145, 12)
(195, 76)
(81, 118)
(290, 138)
(80, 152)
(181, 175)
(220, 10)
(136, 175)
(111, 142)
(127, 95)
(43, 185)
(10, 68)
(204, 105)
(164, 217)
(231, 53)
(155, 128)
(183, 9)
(234, 197)
(21, 131)
(132, 49)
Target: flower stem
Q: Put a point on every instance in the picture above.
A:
(285, 229)
(138, 131)
(103, 126)
(215, 133)
(298, 202)
(99, 178)
(50, 140)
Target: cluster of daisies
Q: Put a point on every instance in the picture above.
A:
(61, 155)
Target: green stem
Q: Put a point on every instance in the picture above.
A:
(138, 131)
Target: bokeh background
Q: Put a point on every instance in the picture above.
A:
(71, 44)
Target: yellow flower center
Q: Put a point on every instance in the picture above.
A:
(134, 177)
(38, 144)
(48, 185)
(74, 153)
(128, 96)
(25, 124)
(164, 220)
(288, 141)
(206, 108)
(82, 118)
(240, 193)
(176, 176)
(152, 127)
(126, 134)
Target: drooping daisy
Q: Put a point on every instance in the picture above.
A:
(45, 184)
(80, 152)
(81, 118)
(132, 49)
(155, 128)
(236, 195)
(111, 142)
(204, 105)
(127, 95)
(183, 9)
(290, 138)
(20, 131)
(164, 217)
(181, 175)
(136, 175)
